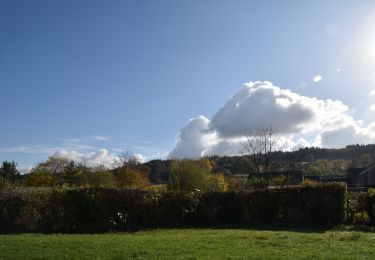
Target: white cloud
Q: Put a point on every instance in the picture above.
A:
(15, 149)
(99, 157)
(226, 147)
(317, 78)
(338, 70)
(351, 134)
(302, 120)
(194, 139)
(139, 157)
(80, 150)
(100, 138)
(257, 105)
(372, 108)
(87, 140)
(301, 143)
(372, 92)
(75, 144)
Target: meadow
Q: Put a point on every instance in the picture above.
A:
(192, 244)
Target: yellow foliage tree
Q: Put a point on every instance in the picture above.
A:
(131, 178)
(195, 175)
(39, 179)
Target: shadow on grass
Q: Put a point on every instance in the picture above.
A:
(299, 228)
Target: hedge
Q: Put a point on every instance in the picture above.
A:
(100, 209)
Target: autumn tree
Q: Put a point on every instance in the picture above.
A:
(53, 165)
(98, 176)
(194, 175)
(39, 179)
(131, 174)
(54, 168)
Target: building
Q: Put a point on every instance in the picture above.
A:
(367, 177)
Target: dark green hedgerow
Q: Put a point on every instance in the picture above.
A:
(99, 210)
(323, 204)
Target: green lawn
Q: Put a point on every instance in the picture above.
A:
(191, 244)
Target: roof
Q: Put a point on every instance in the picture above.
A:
(370, 169)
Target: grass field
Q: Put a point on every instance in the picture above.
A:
(191, 244)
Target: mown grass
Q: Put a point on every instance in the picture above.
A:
(192, 244)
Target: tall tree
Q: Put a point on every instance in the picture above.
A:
(262, 149)
(9, 170)
(53, 165)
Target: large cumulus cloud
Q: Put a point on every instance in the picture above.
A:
(258, 105)
(194, 138)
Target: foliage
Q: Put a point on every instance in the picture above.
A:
(256, 183)
(57, 172)
(157, 188)
(320, 167)
(98, 177)
(53, 165)
(356, 208)
(217, 182)
(8, 170)
(236, 184)
(131, 177)
(308, 182)
(364, 160)
(102, 209)
(5, 183)
(39, 179)
(361, 207)
(195, 175)
(54, 171)
(159, 171)
(339, 159)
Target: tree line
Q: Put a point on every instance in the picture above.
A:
(186, 175)
(209, 173)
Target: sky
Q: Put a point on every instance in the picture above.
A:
(88, 80)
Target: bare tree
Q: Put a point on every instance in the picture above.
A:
(264, 150)
(128, 159)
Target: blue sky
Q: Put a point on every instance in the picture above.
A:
(128, 75)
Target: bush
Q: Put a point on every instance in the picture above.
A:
(102, 209)
(370, 207)
(361, 208)
(356, 209)
(323, 204)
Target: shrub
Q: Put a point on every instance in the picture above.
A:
(356, 208)
(104, 209)
(370, 207)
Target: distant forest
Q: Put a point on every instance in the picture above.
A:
(208, 173)
(353, 155)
